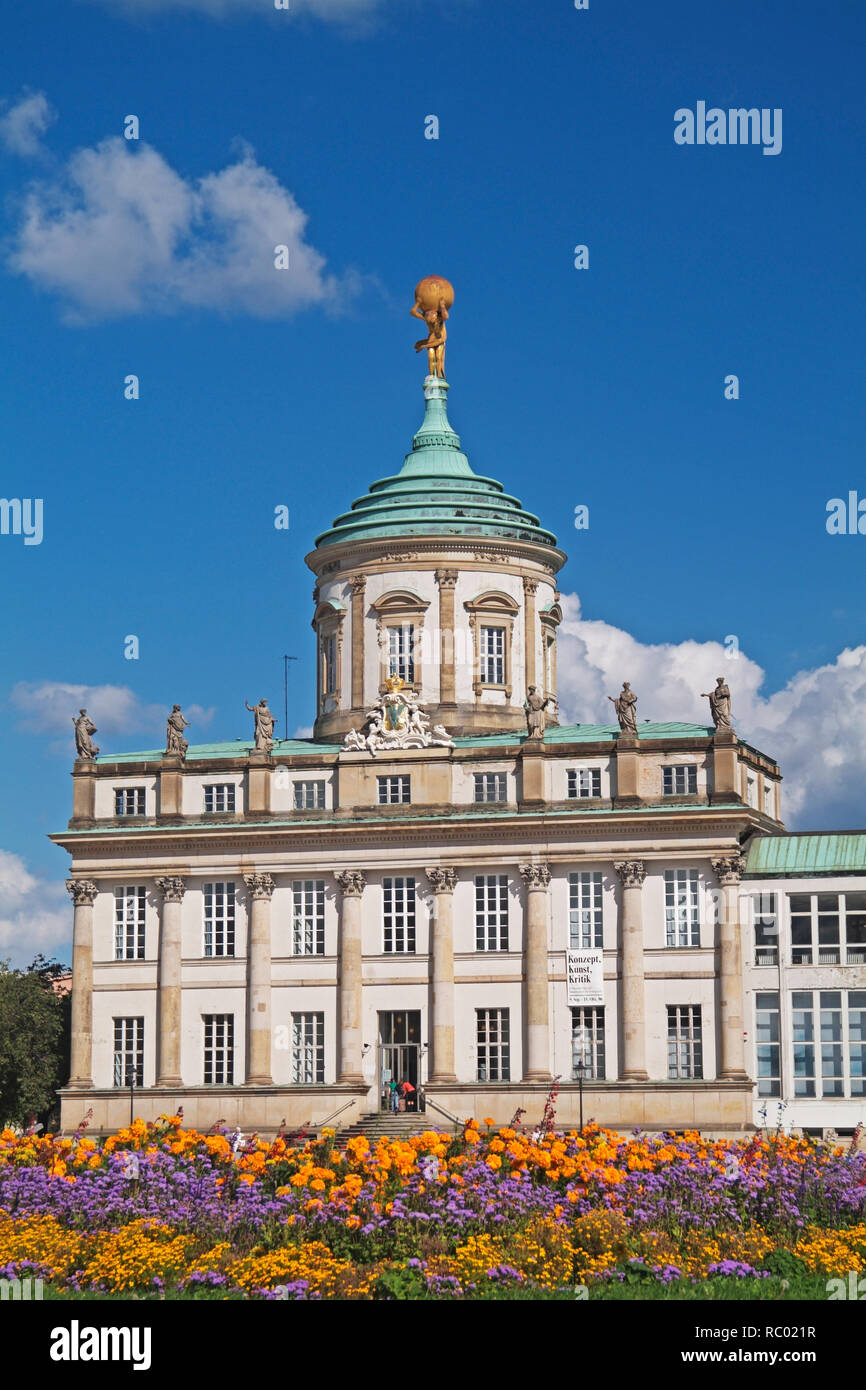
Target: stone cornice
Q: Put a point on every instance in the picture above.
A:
(430, 552)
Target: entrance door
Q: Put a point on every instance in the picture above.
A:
(399, 1054)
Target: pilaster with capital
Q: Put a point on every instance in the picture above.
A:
(632, 873)
(530, 589)
(83, 893)
(447, 582)
(535, 956)
(168, 1071)
(351, 883)
(442, 882)
(260, 888)
(358, 584)
(728, 869)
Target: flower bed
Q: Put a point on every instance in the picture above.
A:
(159, 1209)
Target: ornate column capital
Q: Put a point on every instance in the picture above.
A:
(530, 586)
(446, 579)
(442, 880)
(358, 583)
(172, 888)
(535, 875)
(351, 882)
(632, 872)
(729, 868)
(259, 885)
(82, 890)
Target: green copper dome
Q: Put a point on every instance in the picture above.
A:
(436, 493)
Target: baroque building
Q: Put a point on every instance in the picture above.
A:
(440, 886)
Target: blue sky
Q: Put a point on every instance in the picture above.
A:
(603, 387)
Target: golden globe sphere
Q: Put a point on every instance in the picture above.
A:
(431, 289)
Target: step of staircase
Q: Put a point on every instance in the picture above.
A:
(399, 1126)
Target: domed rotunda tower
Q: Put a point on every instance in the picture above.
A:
(439, 577)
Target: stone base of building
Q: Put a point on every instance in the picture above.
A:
(718, 1107)
(261, 1109)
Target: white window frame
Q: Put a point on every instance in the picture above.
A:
(401, 651)
(815, 1044)
(128, 1051)
(682, 909)
(308, 917)
(222, 796)
(308, 1049)
(493, 1044)
(490, 782)
(219, 1049)
(685, 1042)
(394, 790)
(219, 926)
(492, 665)
(583, 783)
(309, 794)
(491, 912)
(588, 1042)
(130, 904)
(680, 779)
(768, 1045)
(585, 911)
(130, 801)
(398, 915)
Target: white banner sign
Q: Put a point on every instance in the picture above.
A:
(585, 972)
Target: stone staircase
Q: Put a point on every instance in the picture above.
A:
(399, 1126)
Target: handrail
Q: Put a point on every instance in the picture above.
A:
(321, 1124)
(442, 1110)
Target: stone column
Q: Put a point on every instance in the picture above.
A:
(530, 588)
(728, 869)
(358, 584)
(537, 1032)
(83, 892)
(351, 883)
(260, 888)
(633, 1065)
(442, 972)
(447, 581)
(169, 1003)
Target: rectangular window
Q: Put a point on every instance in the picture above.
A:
(129, 904)
(329, 653)
(803, 1033)
(816, 920)
(493, 656)
(219, 919)
(766, 928)
(491, 912)
(584, 782)
(219, 797)
(219, 1049)
(308, 1049)
(399, 916)
(587, 1044)
(308, 917)
(842, 1042)
(685, 1052)
(494, 1059)
(309, 796)
(768, 798)
(585, 925)
(393, 791)
(491, 786)
(129, 1051)
(682, 910)
(855, 928)
(681, 780)
(401, 652)
(129, 801)
(767, 1042)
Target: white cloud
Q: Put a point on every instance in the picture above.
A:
(119, 232)
(815, 727)
(24, 123)
(35, 914)
(48, 707)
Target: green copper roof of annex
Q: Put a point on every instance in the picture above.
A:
(563, 733)
(803, 855)
(436, 492)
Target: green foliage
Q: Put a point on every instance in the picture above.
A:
(34, 1041)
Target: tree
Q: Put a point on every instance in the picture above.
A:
(34, 1040)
